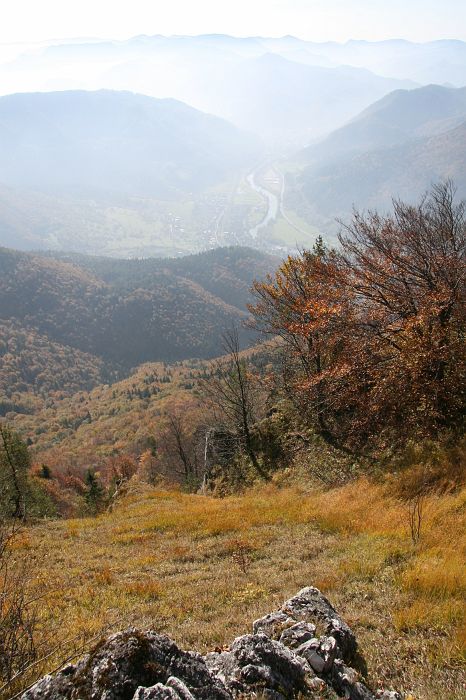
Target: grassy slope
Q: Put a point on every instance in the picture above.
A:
(201, 569)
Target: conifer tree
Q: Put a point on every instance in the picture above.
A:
(95, 494)
(14, 468)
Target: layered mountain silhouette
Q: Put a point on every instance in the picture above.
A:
(286, 90)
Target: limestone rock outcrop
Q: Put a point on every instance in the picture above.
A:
(303, 650)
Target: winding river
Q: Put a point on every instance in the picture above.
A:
(273, 204)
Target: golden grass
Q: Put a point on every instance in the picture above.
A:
(435, 570)
(440, 573)
(202, 569)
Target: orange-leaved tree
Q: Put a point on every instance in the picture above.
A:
(376, 329)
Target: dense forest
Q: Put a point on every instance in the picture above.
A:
(96, 318)
(32, 363)
(366, 352)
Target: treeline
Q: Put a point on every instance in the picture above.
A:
(370, 364)
(373, 334)
(226, 273)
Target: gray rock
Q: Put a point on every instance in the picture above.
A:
(54, 687)
(156, 692)
(273, 624)
(180, 688)
(312, 606)
(297, 634)
(126, 662)
(345, 681)
(319, 653)
(57, 686)
(258, 663)
(173, 690)
(284, 659)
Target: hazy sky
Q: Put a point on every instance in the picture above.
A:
(319, 20)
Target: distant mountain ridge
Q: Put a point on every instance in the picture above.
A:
(399, 116)
(282, 89)
(285, 99)
(117, 173)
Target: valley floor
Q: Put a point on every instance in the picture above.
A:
(200, 569)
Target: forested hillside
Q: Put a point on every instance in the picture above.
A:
(344, 435)
(232, 350)
(373, 178)
(123, 418)
(105, 316)
(226, 272)
(33, 365)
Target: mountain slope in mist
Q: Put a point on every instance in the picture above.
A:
(397, 148)
(372, 179)
(400, 116)
(113, 142)
(290, 101)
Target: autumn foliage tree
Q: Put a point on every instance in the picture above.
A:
(376, 330)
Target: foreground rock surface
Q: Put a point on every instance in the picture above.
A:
(303, 650)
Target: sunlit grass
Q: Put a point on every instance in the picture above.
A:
(202, 568)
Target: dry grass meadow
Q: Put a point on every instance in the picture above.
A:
(202, 569)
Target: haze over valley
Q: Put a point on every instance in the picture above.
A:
(167, 145)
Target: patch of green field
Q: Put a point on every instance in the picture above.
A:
(283, 232)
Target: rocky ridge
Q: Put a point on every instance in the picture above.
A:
(303, 650)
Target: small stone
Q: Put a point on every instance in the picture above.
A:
(344, 680)
(180, 688)
(319, 653)
(156, 692)
(312, 606)
(297, 634)
(273, 624)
